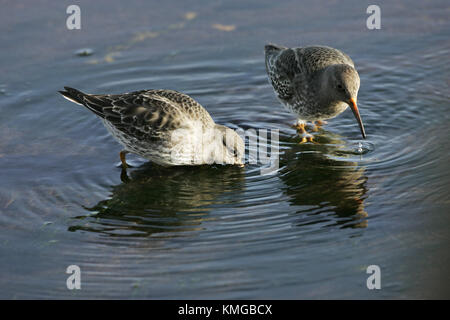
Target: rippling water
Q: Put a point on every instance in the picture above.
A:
(308, 231)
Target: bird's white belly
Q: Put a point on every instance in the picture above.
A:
(179, 147)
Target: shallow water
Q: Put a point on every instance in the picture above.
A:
(308, 231)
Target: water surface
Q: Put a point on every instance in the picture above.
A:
(308, 231)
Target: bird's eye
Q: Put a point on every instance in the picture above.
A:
(340, 87)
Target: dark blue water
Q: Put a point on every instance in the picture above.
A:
(308, 231)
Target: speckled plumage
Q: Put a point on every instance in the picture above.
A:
(305, 80)
(165, 126)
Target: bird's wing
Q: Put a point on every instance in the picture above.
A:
(279, 66)
(315, 58)
(147, 113)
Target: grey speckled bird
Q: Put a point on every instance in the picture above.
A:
(316, 83)
(164, 126)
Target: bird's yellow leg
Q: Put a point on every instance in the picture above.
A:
(306, 137)
(316, 125)
(301, 130)
(123, 159)
(300, 126)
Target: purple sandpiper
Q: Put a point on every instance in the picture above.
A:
(316, 83)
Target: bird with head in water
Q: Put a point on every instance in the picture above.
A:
(165, 126)
(316, 83)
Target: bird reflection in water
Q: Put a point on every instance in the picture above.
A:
(163, 202)
(328, 187)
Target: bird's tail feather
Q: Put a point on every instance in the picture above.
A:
(73, 95)
(271, 51)
(87, 100)
(268, 48)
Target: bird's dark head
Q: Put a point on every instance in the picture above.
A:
(342, 85)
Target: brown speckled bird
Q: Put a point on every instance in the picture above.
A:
(165, 126)
(316, 83)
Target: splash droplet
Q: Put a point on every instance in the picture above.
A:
(360, 149)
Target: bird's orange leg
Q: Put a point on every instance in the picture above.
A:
(299, 126)
(321, 123)
(123, 159)
(317, 125)
(306, 137)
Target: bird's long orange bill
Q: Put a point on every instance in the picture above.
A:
(355, 110)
